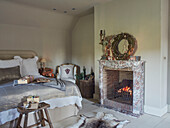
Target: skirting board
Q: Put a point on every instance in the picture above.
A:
(156, 111)
(168, 108)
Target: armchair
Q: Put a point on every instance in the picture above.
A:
(67, 72)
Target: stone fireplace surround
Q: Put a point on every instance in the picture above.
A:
(138, 68)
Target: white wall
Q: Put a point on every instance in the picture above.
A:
(83, 43)
(168, 89)
(27, 28)
(141, 18)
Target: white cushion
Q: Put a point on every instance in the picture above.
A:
(59, 73)
(67, 71)
(28, 66)
(9, 63)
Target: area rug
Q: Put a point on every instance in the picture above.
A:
(101, 120)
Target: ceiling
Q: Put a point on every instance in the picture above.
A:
(82, 7)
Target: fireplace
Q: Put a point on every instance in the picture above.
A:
(122, 85)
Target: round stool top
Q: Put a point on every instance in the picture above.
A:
(41, 106)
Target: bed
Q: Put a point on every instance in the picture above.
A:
(63, 104)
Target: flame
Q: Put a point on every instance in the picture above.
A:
(125, 89)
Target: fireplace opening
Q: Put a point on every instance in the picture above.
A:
(123, 92)
(120, 86)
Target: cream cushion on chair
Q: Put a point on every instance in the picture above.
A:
(67, 73)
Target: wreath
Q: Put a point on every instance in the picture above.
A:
(132, 46)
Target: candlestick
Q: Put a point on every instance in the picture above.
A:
(104, 35)
(101, 32)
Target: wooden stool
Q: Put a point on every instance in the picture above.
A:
(42, 106)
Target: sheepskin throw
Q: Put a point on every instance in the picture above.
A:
(101, 120)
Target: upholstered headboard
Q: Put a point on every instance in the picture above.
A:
(9, 54)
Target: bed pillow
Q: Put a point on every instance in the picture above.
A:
(28, 66)
(67, 71)
(9, 74)
(9, 63)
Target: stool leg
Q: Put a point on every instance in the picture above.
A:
(19, 121)
(35, 117)
(26, 120)
(41, 116)
(48, 118)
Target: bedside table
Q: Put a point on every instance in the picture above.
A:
(48, 72)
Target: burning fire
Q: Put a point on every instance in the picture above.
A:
(125, 89)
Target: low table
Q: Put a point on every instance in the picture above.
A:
(42, 106)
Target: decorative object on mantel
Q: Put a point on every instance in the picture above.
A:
(136, 58)
(119, 47)
(106, 46)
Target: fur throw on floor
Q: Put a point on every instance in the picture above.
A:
(101, 120)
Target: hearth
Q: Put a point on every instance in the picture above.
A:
(122, 85)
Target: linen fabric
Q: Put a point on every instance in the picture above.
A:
(9, 74)
(67, 72)
(28, 66)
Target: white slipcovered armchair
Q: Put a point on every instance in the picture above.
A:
(67, 72)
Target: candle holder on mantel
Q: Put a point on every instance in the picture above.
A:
(102, 36)
(106, 43)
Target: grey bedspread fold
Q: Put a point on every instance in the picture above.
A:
(56, 83)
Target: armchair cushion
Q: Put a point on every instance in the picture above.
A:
(67, 71)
